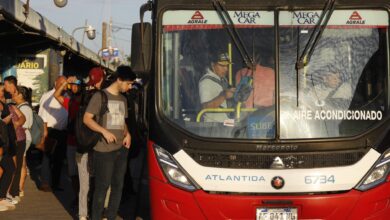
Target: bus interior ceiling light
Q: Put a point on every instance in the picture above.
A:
(174, 173)
(378, 173)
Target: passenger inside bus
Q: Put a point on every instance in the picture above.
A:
(193, 62)
(263, 93)
(333, 91)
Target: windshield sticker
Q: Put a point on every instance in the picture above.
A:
(228, 122)
(339, 18)
(197, 18)
(203, 20)
(246, 17)
(306, 17)
(337, 115)
(355, 18)
(261, 126)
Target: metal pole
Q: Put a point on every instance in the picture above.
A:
(86, 24)
(104, 35)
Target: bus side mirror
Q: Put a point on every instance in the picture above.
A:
(141, 48)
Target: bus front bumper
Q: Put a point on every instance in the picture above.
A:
(169, 202)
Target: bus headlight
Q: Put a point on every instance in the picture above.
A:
(174, 173)
(378, 173)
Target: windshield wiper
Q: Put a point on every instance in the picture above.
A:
(315, 36)
(229, 25)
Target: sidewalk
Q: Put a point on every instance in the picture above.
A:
(36, 205)
(60, 205)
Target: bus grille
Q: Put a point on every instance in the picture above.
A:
(266, 160)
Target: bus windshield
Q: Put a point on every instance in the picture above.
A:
(206, 89)
(342, 90)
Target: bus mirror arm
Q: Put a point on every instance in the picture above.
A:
(144, 8)
(141, 43)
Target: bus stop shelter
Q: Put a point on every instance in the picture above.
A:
(40, 50)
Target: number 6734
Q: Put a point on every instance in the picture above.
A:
(319, 179)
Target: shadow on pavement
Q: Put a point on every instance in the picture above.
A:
(65, 196)
(135, 197)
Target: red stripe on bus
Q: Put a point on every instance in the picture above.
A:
(169, 28)
(336, 26)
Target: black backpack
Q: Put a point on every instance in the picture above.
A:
(85, 137)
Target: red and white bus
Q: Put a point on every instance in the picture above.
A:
(306, 134)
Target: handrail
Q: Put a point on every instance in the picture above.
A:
(238, 108)
(221, 110)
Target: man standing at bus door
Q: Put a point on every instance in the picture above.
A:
(214, 89)
(96, 79)
(110, 153)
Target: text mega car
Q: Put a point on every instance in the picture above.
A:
(306, 132)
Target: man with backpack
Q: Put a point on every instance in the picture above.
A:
(77, 155)
(110, 152)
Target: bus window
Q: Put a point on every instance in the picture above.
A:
(190, 50)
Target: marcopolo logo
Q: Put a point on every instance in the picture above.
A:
(197, 18)
(356, 18)
(306, 17)
(246, 17)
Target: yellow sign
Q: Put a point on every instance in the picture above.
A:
(35, 63)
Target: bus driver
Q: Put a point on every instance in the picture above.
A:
(214, 90)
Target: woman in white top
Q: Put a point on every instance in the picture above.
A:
(22, 98)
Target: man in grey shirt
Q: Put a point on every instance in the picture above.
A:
(110, 153)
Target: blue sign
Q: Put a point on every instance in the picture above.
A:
(105, 53)
(261, 126)
(110, 53)
(115, 53)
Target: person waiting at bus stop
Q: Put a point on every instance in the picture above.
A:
(18, 120)
(214, 90)
(55, 119)
(68, 94)
(110, 153)
(72, 104)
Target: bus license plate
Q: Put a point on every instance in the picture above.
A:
(276, 214)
